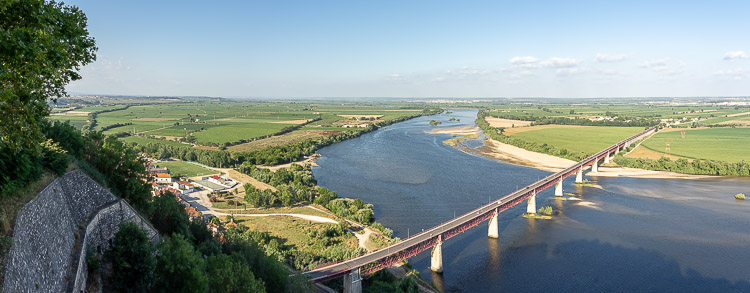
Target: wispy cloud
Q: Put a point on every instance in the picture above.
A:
(610, 57)
(735, 55)
(736, 74)
(656, 64)
(519, 60)
(395, 77)
(557, 62)
(570, 71)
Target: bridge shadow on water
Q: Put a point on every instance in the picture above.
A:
(575, 266)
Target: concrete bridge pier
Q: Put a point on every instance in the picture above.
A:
(558, 188)
(579, 175)
(531, 206)
(353, 282)
(492, 232)
(606, 158)
(595, 166)
(436, 263)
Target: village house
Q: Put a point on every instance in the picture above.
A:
(185, 186)
(163, 178)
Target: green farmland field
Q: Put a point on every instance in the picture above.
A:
(232, 133)
(185, 169)
(723, 144)
(143, 141)
(587, 139)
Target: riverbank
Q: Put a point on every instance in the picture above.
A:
(517, 156)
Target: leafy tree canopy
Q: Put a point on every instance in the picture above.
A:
(42, 46)
(132, 259)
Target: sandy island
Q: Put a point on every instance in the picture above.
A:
(517, 156)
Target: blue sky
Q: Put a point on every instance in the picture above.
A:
(418, 48)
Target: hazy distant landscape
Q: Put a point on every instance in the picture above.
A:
(172, 146)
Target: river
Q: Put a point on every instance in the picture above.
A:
(625, 235)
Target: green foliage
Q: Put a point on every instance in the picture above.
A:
(42, 45)
(92, 262)
(131, 255)
(697, 167)
(384, 281)
(169, 216)
(17, 169)
(740, 196)
(349, 209)
(121, 166)
(272, 272)
(294, 184)
(435, 122)
(54, 157)
(231, 274)
(180, 268)
(545, 211)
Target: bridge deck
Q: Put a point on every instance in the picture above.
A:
(385, 257)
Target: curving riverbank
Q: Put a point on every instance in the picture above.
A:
(510, 154)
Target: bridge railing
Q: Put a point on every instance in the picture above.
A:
(459, 223)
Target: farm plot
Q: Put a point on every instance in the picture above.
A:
(144, 141)
(587, 139)
(723, 144)
(231, 133)
(287, 138)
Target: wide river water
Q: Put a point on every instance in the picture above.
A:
(625, 235)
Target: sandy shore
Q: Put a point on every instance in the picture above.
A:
(462, 130)
(517, 156)
(514, 155)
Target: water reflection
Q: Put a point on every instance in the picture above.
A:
(625, 234)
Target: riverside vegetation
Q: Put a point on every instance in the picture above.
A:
(695, 166)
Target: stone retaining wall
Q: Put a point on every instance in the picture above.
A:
(54, 230)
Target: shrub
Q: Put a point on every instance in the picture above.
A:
(545, 211)
(740, 196)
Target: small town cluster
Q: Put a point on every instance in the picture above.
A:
(162, 182)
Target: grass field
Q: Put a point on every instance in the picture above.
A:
(232, 133)
(588, 139)
(723, 144)
(181, 130)
(143, 141)
(294, 232)
(213, 122)
(77, 121)
(630, 110)
(292, 137)
(185, 169)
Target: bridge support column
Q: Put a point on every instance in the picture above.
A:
(595, 166)
(492, 232)
(531, 206)
(558, 188)
(353, 282)
(579, 175)
(606, 159)
(436, 264)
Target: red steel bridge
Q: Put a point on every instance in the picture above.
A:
(353, 269)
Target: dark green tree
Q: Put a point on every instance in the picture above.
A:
(168, 216)
(42, 45)
(231, 274)
(179, 267)
(132, 259)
